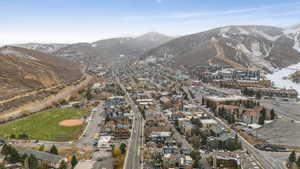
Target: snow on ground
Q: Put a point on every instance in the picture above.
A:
(297, 42)
(9, 51)
(268, 121)
(278, 77)
(254, 126)
(255, 48)
(255, 55)
(269, 37)
(224, 30)
(243, 31)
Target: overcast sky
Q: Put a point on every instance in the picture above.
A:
(72, 21)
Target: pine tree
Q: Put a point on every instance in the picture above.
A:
(53, 150)
(32, 162)
(298, 162)
(74, 161)
(272, 113)
(123, 148)
(292, 157)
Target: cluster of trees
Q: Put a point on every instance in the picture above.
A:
(293, 160)
(262, 116)
(11, 155)
(229, 117)
(23, 136)
(233, 145)
(119, 155)
(196, 156)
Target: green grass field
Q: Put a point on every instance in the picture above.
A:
(45, 125)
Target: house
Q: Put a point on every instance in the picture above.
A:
(160, 137)
(49, 159)
(104, 142)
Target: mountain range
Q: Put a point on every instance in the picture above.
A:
(104, 51)
(262, 47)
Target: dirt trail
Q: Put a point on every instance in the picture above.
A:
(221, 55)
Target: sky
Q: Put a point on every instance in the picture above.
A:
(71, 21)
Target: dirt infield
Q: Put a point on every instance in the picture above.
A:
(71, 122)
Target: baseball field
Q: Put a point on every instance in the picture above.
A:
(52, 125)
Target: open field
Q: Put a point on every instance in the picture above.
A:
(45, 125)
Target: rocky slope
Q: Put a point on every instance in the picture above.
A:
(23, 70)
(261, 47)
(110, 50)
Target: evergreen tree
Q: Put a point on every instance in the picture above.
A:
(123, 148)
(31, 161)
(292, 157)
(11, 154)
(262, 117)
(298, 162)
(74, 161)
(272, 113)
(53, 150)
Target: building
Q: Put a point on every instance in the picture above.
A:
(271, 92)
(85, 164)
(104, 142)
(206, 123)
(49, 159)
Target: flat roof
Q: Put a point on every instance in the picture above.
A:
(208, 121)
(233, 98)
(85, 164)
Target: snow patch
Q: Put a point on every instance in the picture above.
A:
(297, 42)
(254, 126)
(279, 80)
(10, 51)
(243, 31)
(255, 56)
(266, 36)
(255, 48)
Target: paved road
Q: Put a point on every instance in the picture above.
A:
(133, 155)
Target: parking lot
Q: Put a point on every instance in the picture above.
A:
(282, 132)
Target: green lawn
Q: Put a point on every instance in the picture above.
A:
(44, 125)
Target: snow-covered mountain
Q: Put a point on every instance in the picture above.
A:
(263, 47)
(110, 50)
(46, 48)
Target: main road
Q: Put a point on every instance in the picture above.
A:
(133, 158)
